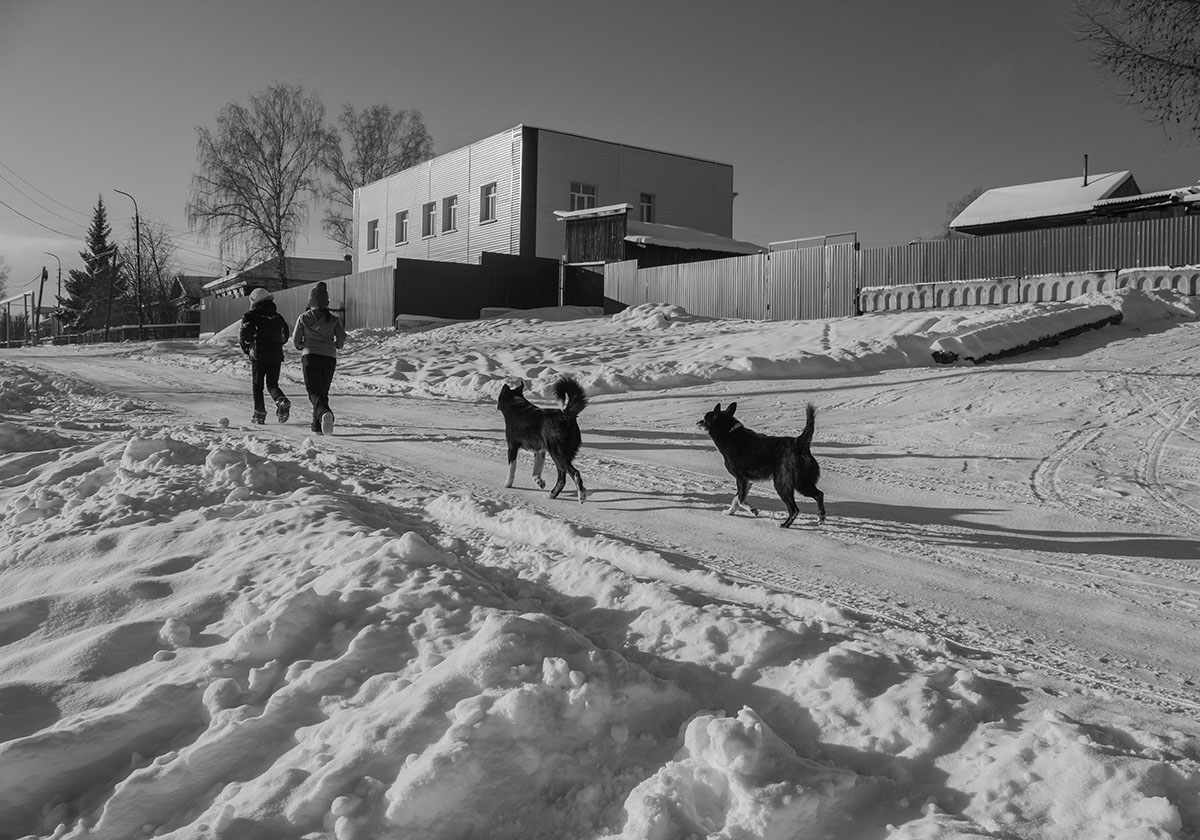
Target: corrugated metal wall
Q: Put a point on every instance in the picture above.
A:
(219, 313)
(461, 173)
(823, 282)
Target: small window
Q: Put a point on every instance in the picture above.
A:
(402, 227)
(429, 219)
(373, 235)
(583, 196)
(487, 203)
(449, 214)
(647, 204)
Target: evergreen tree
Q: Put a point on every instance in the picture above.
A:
(86, 291)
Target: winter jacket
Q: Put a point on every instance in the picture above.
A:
(264, 332)
(319, 332)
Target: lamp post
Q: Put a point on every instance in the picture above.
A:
(137, 227)
(57, 260)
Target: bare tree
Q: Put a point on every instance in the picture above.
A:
(259, 170)
(380, 142)
(954, 208)
(1152, 47)
(3, 276)
(159, 269)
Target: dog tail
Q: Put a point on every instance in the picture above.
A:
(806, 436)
(570, 394)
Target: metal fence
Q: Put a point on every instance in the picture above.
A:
(822, 281)
(361, 300)
(128, 332)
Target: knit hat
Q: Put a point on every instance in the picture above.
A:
(259, 295)
(318, 298)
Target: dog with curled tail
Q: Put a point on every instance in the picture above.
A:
(553, 431)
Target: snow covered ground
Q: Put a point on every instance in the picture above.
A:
(213, 630)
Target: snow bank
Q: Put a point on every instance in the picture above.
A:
(1032, 326)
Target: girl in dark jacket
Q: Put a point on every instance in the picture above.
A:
(263, 334)
(319, 335)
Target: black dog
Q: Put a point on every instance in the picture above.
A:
(542, 430)
(750, 456)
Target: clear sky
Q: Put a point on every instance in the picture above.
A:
(865, 116)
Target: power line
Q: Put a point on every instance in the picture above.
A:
(52, 198)
(36, 204)
(36, 222)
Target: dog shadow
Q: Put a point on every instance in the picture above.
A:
(967, 531)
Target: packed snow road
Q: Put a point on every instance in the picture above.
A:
(1044, 512)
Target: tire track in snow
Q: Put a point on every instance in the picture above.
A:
(1148, 470)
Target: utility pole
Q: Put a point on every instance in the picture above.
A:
(137, 227)
(37, 312)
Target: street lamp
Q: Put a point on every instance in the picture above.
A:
(56, 259)
(137, 226)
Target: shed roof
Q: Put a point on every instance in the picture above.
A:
(665, 236)
(1041, 199)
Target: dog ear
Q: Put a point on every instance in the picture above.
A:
(732, 408)
(717, 408)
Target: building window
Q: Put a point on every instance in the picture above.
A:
(373, 235)
(583, 196)
(647, 204)
(487, 203)
(449, 214)
(402, 227)
(429, 219)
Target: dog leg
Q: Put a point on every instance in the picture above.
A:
(539, 460)
(819, 498)
(788, 496)
(559, 483)
(739, 499)
(512, 464)
(578, 484)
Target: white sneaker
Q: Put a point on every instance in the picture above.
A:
(327, 423)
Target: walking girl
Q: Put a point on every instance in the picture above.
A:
(319, 335)
(262, 337)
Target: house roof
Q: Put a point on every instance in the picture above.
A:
(665, 236)
(1041, 200)
(299, 270)
(192, 285)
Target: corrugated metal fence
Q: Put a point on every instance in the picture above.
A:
(366, 299)
(822, 281)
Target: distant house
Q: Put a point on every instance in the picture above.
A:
(500, 195)
(615, 233)
(300, 270)
(186, 293)
(1045, 204)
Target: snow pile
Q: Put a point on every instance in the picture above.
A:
(1013, 330)
(1037, 329)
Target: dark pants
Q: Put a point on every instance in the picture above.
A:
(318, 376)
(265, 372)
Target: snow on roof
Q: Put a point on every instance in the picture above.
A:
(671, 236)
(1039, 200)
(665, 236)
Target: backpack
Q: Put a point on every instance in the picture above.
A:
(276, 330)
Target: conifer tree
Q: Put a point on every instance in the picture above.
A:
(86, 291)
